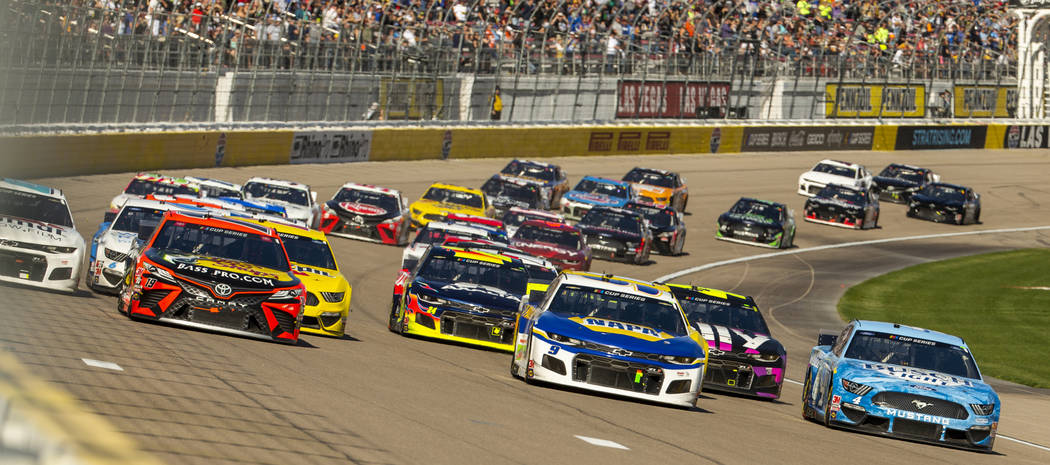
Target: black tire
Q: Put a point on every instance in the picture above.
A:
(394, 324)
(684, 203)
(807, 411)
(827, 405)
(977, 216)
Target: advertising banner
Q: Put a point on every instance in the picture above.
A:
(1027, 137)
(674, 99)
(874, 101)
(940, 137)
(985, 101)
(330, 146)
(792, 139)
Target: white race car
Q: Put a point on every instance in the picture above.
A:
(436, 233)
(217, 188)
(299, 202)
(610, 334)
(144, 184)
(833, 172)
(113, 245)
(39, 246)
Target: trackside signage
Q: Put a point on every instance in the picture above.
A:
(791, 139)
(874, 101)
(659, 99)
(940, 137)
(330, 146)
(985, 101)
(1027, 137)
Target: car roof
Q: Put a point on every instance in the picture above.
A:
(844, 164)
(624, 211)
(454, 187)
(163, 179)
(32, 188)
(618, 284)
(370, 188)
(214, 182)
(288, 228)
(949, 185)
(534, 162)
(653, 170)
(549, 225)
(606, 181)
(278, 182)
(222, 222)
(845, 187)
(453, 251)
(910, 167)
(909, 331)
(765, 202)
(715, 294)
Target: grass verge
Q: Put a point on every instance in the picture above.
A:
(980, 299)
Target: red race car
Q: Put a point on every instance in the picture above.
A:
(559, 243)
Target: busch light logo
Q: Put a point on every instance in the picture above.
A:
(916, 375)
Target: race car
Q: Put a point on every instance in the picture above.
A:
(216, 188)
(895, 380)
(215, 273)
(327, 291)
(552, 181)
(435, 233)
(492, 225)
(666, 226)
(560, 243)
(661, 187)
(616, 234)
(540, 269)
(231, 195)
(113, 245)
(462, 296)
(298, 201)
(368, 213)
(505, 193)
(39, 245)
(144, 184)
(441, 199)
(833, 172)
(757, 222)
(593, 191)
(742, 357)
(516, 216)
(610, 334)
(946, 203)
(843, 206)
(896, 183)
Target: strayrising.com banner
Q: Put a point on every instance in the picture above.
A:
(940, 137)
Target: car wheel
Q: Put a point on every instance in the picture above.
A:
(875, 224)
(679, 247)
(977, 216)
(395, 324)
(807, 411)
(685, 202)
(827, 406)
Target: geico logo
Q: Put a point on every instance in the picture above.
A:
(241, 277)
(916, 416)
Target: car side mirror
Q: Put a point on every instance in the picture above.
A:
(109, 217)
(146, 229)
(826, 339)
(313, 195)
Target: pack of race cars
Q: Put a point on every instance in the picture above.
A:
(493, 267)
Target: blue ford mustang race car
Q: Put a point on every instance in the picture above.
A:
(593, 191)
(901, 381)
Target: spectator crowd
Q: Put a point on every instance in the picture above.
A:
(897, 30)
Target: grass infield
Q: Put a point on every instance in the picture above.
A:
(980, 299)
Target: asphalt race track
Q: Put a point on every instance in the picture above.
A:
(190, 396)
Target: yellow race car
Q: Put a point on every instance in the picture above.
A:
(327, 291)
(442, 199)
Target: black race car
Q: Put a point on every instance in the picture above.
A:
(368, 213)
(742, 357)
(896, 183)
(757, 222)
(946, 203)
(843, 206)
(505, 193)
(665, 224)
(616, 234)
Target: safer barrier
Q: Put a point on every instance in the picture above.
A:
(70, 155)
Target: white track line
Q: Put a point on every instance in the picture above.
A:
(708, 266)
(602, 442)
(1037, 446)
(101, 364)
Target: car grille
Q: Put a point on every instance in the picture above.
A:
(285, 320)
(330, 319)
(603, 246)
(724, 373)
(22, 265)
(911, 402)
(813, 189)
(310, 322)
(482, 328)
(151, 299)
(116, 256)
(617, 374)
(242, 312)
(918, 429)
(618, 351)
(434, 217)
(311, 299)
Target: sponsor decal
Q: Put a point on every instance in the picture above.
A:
(917, 375)
(330, 147)
(940, 137)
(1027, 137)
(720, 337)
(916, 416)
(661, 99)
(874, 101)
(362, 208)
(765, 139)
(41, 229)
(836, 403)
(308, 269)
(601, 323)
(985, 101)
(217, 273)
(223, 290)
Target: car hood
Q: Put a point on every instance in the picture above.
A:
(888, 377)
(351, 209)
(238, 274)
(318, 279)
(920, 198)
(747, 218)
(546, 250)
(38, 232)
(432, 206)
(655, 191)
(609, 232)
(828, 178)
(476, 294)
(898, 183)
(738, 341)
(538, 182)
(119, 241)
(594, 199)
(618, 334)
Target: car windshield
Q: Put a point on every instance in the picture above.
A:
(835, 170)
(658, 217)
(873, 346)
(306, 251)
(588, 302)
(842, 194)
(942, 192)
(216, 191)
(442, 195)
(609, 219)
(211, 241)
(292, 195)
(387, 202)
(900, 172)
(591, 186)
(541, 273)
(464, 270)
(751, 207)
(131, 217)
(31, 206)
(145, 187)
(496, 187)
(649, 177)
(522, 169)
(513, 219)
(700, 308)
(560, 237)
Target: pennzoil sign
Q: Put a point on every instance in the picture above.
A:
(874, 101)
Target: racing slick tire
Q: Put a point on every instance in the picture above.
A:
(685, 202)
(977, 217)
(678, 248)
(395, 324)
(827, 406)
(807, 411)
(402, 237)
